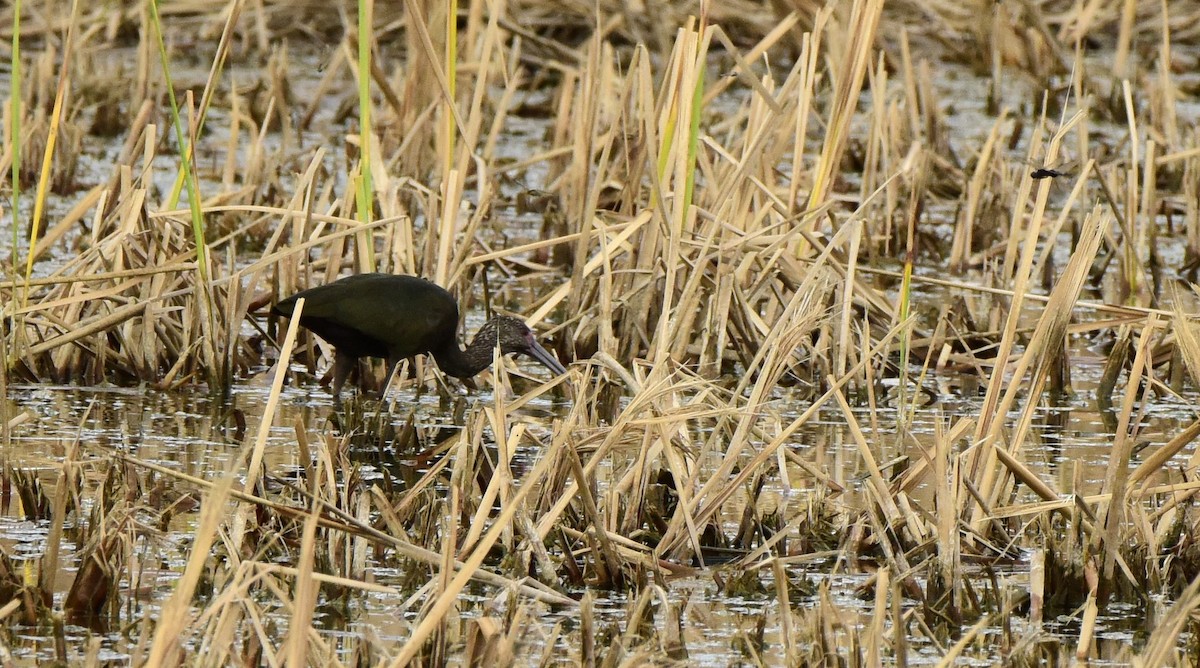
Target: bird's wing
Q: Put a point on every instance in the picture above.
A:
(406, 321)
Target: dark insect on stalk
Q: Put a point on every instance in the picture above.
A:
(1046, 173)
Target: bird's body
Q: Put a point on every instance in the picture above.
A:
(397, 317)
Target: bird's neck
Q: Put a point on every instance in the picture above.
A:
(460, 363)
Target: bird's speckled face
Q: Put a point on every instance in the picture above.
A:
(515, 337)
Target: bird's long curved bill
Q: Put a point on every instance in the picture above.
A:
(537, 352)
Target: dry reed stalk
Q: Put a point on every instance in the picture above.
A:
(300, 625)
(718, 489)
(56, 117)
(1162, 647)
(487, 44)
(1087, 626)
(441, 605)
(964, 233)
(1109, 539)
(1130, 265)
(659, 447)
(1045, 341)
(745, 68)
(234, 614)
(324, 578)
(65, 488)
(166, 648)
(169, 633)
(584, 116)
(952, 653)
(874, 631)
(433, 645)
(636, 622)
(587, 630)
(1122, 314)
(949, 494)
(407, 550)
(1159, 458)
(447, 229)
(1187, 341)
(501, 479)
(67, 300)
(786, 623)
(254, 464)
(7, 420)
(880, 494)
(608, 567)
(1059, 222)
(363, 180)
(903, 305)
(487, 645)
(66, 223)
(546, 570)
(859, 35)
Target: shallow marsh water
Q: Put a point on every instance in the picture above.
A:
(198, 435)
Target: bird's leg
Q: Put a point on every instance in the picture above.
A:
(342, 366)
(393, 364)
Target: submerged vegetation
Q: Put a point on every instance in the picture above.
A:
(736, 219)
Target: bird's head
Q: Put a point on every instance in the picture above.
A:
(514, 337)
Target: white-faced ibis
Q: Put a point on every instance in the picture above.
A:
(396, 317)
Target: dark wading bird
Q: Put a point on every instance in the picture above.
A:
(396, 317)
